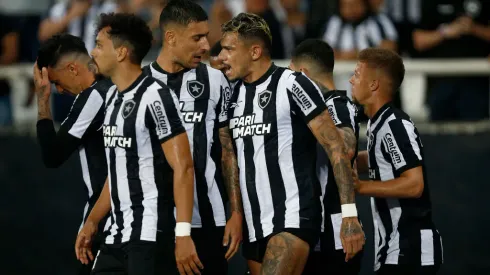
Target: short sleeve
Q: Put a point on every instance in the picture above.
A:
(83, 113)
(162, 114)
(306, 98)
(402, 144)
(225, 96)
(342, 112)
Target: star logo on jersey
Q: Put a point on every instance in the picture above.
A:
(127, 108)
(195, 88)
(264, 98)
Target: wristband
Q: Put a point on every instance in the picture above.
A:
(182, 229)
(349, 210)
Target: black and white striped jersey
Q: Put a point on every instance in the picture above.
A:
(203, 95)
(82, 130)
(343, 113)
(137, 121)
(404, 231)
(276, 151)
(345, 36)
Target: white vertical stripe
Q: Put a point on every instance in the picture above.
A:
(262, 181)
(146, 172)
(361, 37)
(331, 35)
(385, 168)
(86, 116)
(86, 179)
(158, 75)
(409, 127)
(374, 32)
(397, 9)
(352, 115)
(394, 244)
(336, 220)
(388, 27)
(285, 153)
(386, 136)
(414, 11)
(427, 247)
(322, 173)
(379, 234)
(347, 38)
(247, 208)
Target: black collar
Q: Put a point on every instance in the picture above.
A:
(263, 78)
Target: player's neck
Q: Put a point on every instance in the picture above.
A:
(164, 60)
(125, 75)
(372, 109)
(257, 70)
(326, 82)
(88, 78)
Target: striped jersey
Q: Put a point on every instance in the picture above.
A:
(203, 94)
(82, 131)
(346, 36)
(404, 231)
(137, 121)
(276, 151)
(344, 114)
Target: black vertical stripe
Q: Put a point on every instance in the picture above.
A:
(132, 163)
(174, 81)
(249, 151)
(271, 148)
(112, 97)
(438, 250)
(200, 149)
(385, 215)
(119, 220)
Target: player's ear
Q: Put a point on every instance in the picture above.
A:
(170, 37)
(72, 68)
(374, 85)
(255, 52)
(122, 53)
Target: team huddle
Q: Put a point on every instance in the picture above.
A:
(165, 148)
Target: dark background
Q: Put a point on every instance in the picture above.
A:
(41, 208)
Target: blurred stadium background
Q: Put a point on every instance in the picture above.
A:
(446, 92)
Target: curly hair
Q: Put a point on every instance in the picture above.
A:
(128, 30)
(249, 26)
(58, 46)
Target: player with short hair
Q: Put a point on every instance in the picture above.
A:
(142, 133)
(406, 239)
(63, 61)
(275, 118)
(203, 94)
(315, 58)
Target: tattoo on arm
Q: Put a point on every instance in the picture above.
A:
(43, 105)
(350, 141)
(230, 170)
(328, 136)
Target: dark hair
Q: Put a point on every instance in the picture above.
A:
(216, 49)
(53, 49)
(250, 26)
(316, 51)
(386, 60)
(130, 30)
(182, 12)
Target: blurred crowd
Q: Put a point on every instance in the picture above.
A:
(415, 28)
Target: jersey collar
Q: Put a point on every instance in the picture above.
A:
(263, 78)
(159, 69)
(329, 93)
(135, 83)
(380, 111)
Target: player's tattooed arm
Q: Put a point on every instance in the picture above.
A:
(230, 170)
(350, 141)
(43, 90)
(327, 135)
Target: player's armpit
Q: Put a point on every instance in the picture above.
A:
(285, 254)
(327, 135)
(178, 154)
(230, 170)
(410, 184)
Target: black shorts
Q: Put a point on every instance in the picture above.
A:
(210, 249)
(255, 251)
(98, 241)
(138, 257)
(330, 260)
(389, 269)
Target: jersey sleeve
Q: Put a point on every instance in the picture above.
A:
(57, 147)
(224, 101)
(163, 114)
(342, 112)
(400, 141)
(307, 99)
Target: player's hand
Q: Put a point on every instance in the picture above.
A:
(78, 8)
(352, 237)
(233, 234)
(188, 262)
(42, 85)
(83, 245)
